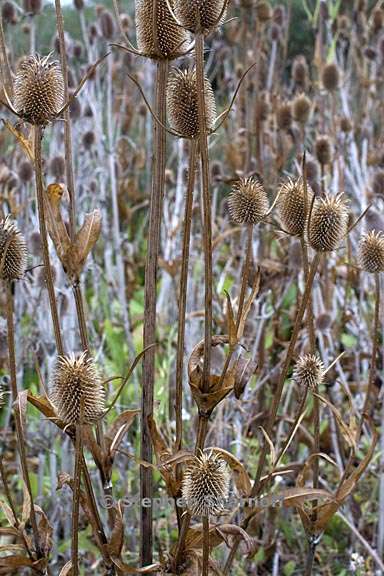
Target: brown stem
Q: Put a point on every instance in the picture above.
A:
(44, 239)
(207, 218)
(183, 295)
(81, 316)
(153, 250)
(76, 500)
(205, 545)
(18, 417)
(245, 274)
(5, 69)
(277, 397)
(375, 346)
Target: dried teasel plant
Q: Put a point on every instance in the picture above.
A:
(371, 252)
(248, 202)
(200, 15)
(13, 251)
(328, 223)
(308, 372)
(293, 206)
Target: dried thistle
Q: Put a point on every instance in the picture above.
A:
(328, 223)
(263, 11)
(182, 103)
(371, 252)
(162, 39)
(284, 116)
(330, 77)
(248, 202)
(76, 386)
(301, 109)
(309, 371)
(300, 71)
(38, 90)
(323, 150)
(13, 251)
(200, 15)
(206, 484)
(292, 207)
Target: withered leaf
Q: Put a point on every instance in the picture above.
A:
(87, 237)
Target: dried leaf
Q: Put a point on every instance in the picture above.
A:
(7, 511)
(23, 141)
(247, 305)
(119, 428)
(87, 237)
(347, 433)
(66, 569)
(125, 569)
(231, 322)
(241, 476)
(271, 446)
(115, 545)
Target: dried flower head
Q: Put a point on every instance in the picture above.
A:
(38, 90)
(330, 77)
(263, 11)
(300, 71)
(293, 207)
(182, 102)
(77, 390)
(323, 150)
(378, 182)
(248, 202)
(309, 371)
(13, 251)
(206, 484)
(371, 252)
(8, 13)
(284, 116)
(301, 109)
(107, 25)
(161, 39)
(25, 171)
(200, 15)
(328, 223)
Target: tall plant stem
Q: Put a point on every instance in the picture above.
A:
(183, 294)
(78, 297)
(5, 69)
(151, 268)
(205, 545)
(245, 274)
(277, 396)
(18, 416)
(76, 500)
(207, 217)
(44, 239)
(375, 346)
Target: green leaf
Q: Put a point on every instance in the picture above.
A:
(289, 568)
(348, 340)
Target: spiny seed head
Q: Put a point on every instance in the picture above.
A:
(13, 249)
(263, 11)
(77, 390)
(158, 35)
(293, 207)
(248, 202)
(284, 116)
(323, 150)
(330, 77)
(182, 102)
(300, 71)
(38, 90)
(328, 223)
(206, 484)
(371, 252)
(309, 371)
(200, 15)
(301, 109)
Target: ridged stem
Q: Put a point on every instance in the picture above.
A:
(76, 500)
(44, 238)
(205, 545)
(151, 268)
(375, 346)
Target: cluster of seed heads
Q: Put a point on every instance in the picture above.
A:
(371, 252)
(38, 90)
(293, 206)
(13, 251)
(158, 35)
(76, 390)
(182, 102)
(309, 371)
(248, 202)
(328, 224)
(200, 15)
(206, 484)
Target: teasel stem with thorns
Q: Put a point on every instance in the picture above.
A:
(257, 485)
(375, 347)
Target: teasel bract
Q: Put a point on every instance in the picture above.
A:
(293, 207)
(248, 202)
(200, 15)
(158, 35)
(328, 223)
(371, 252)
(205, 484)
(77, 392)
(309, 371)
(182, 103)
(13, 251)
(38, 90)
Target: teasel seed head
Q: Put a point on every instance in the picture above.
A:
(160, 40)
(248, 202)
(300, 71)
(308, 372)
(378, 19)
(107, 25)
(323, 150)
(371, 252)
(378, 183)
(79, 4)
(57, 167)
(77, 390)
(263, 11)
(330, 77)
(205, 484)
(200, 15)
(284, 116)
(25, 171)
(8, 13)
(346, 125)
(38, 90)
(13, 249)
(182, 102)
(292, 206)
(301, 109)
(328, 223)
